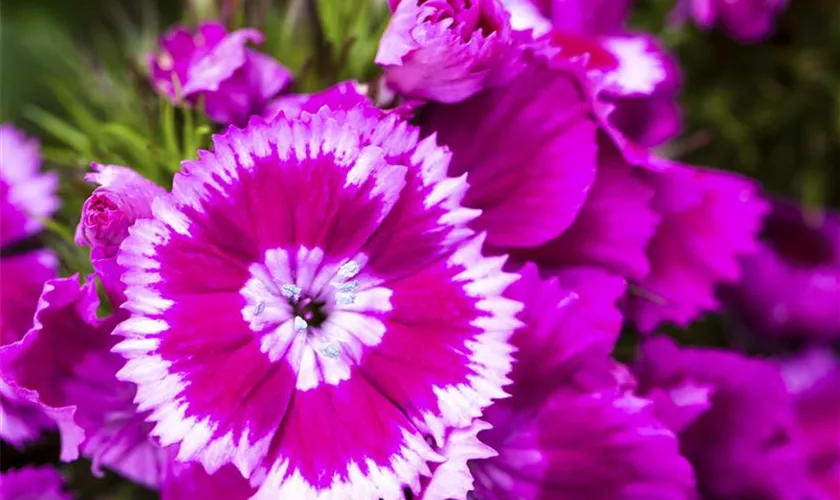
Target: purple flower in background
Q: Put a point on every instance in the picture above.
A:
(447, 50)
(25, 193)
(734, 416)
(122, 197)
(710, 219)
(813, 378)
(325, 267)
(214, 69)
(744, 20)
(529, 152)
(64, 365)
(790, 288)
(32, 483)
(571, 429)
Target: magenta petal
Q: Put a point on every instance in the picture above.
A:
(32, 483)
(571, 324)
(24, 276)
(709, 220)
(310, 261)
(529, 153)
(40, 366)
(343, 95)
(189, 480)
(604, 445)
(613, 229)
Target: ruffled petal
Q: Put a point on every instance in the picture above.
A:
(529, 152)
(35, 483)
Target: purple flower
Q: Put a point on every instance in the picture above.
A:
(813, 378)
(790, 288)
(26, 194)
(65, 367)
(631, 70)
(325, 267)
(529, 152)
(744, 20)
(571, 429)
(448, 50)
(214, 69)
(743, 444)
(709, 220)
(32, 483)
(122, 197)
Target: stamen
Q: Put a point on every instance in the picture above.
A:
(300, 324)
(349, 269)
(290, 291)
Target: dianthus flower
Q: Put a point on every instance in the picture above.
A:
(310, 306)
(734, 417)
(214, 69)
(447, 50)
(632, 72)
(790, 287)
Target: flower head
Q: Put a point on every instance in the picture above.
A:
(741, 436)
(447, 50)
(571, 429)
(26, 195)
(122, 198)
(529, 152)
(213, 68)
(325, 266)
(790, 287)
(744, 20)
(36, 483)
(709, 220)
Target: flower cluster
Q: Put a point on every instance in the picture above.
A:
(347, 298)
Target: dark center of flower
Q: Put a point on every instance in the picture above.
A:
(311, 310)
(799, 242)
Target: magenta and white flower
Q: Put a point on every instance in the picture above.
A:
(447, 50)
(310, 306)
